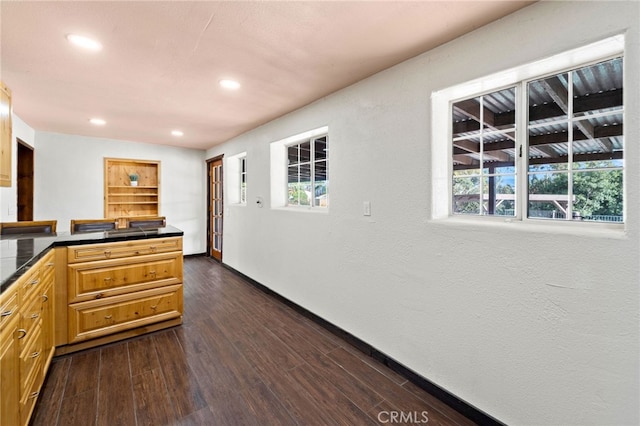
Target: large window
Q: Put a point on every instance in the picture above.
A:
(307, 172)
(560, 157)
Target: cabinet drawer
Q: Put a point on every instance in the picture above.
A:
(30, 320)
(90, 252)
(47, 267)
(29, 283)
(30, 360)
(8, 306)
(96, 280)
(30, 392)
(88, 320)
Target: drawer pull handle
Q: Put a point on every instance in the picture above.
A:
(7, 313)
(35, 316)
(45, 297)
(107, 253)
(153, 248)
(108, 279)
(35, 355)
(34, 395)
(23, 332)
(50, 264)
(154, 307)
(34, 282)
(152, 273)
(108, 316)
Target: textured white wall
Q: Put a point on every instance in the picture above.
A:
(530, 324)
(69, 181)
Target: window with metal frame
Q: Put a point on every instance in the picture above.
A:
(556, 154)
(308, 172)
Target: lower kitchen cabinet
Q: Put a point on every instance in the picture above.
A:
(121, 289)
(26, 343)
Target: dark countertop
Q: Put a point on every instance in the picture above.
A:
(20, 252)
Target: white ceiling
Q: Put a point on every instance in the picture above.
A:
(161, 61)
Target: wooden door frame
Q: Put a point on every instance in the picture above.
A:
(210, 207)
(24, 179)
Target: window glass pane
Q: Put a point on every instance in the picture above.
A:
(292, 153)
(499, 194)
(243, 165)
(598, 88)
(466, 117)
(300, 185)
(321, 148)
(499, 109)
(598, 142)
(548, 195)
(305, 185)
(305, 152)
(548, 99)
(548, 147)
(466, 195)
(466, 153)
(598, 196)
(498, 151)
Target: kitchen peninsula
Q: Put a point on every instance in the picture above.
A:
(66, 292)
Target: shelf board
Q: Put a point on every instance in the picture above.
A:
(126, 194)
(132, 187)
(132, 202)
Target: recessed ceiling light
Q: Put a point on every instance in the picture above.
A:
(230, 84)
(84, 42)
(97, 121)
(177, 133)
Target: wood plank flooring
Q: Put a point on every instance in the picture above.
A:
(240, 358)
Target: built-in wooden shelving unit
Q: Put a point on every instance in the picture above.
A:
(123, 200)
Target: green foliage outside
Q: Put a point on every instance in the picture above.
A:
(596, 192)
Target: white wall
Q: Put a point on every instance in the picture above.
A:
(533, 326)
(69, 181)
(8, 195)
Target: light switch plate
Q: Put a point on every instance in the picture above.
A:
(366, 208)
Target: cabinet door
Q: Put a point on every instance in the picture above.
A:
(10, 374)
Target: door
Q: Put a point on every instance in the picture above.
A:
(25, 181)
(215, 208)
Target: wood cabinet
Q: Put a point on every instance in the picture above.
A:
(122, 198)
(9, 358)
(6, 141)
(26, 340)
(114, 289)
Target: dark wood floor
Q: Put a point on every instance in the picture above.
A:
(240, 358)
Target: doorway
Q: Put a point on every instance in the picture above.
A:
(215, 208)
(25, 181)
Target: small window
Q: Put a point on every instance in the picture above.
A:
(307, 173)
(236, 179)
(243, 180)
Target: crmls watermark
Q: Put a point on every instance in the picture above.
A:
(403, 417)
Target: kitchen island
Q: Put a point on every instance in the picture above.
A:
(66, 292)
